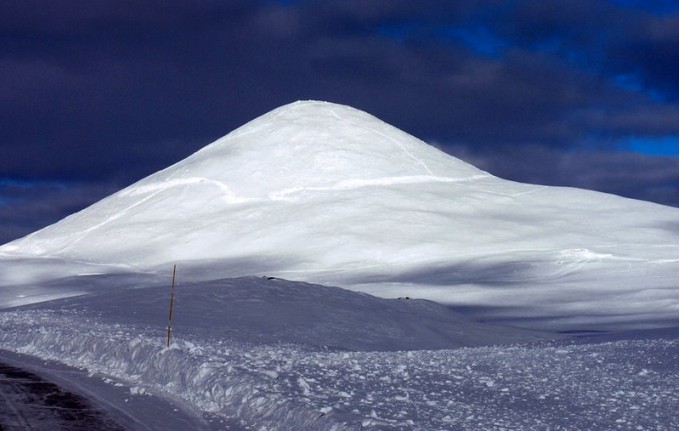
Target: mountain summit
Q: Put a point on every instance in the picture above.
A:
(280, 160)
(322, 192)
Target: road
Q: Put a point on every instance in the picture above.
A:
(39, 394)
(28, 402)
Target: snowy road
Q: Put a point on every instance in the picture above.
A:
(28, 402)
(45, 395)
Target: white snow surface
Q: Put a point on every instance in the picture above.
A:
(256, 353)
(325, 193)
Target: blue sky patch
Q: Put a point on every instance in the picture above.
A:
(662, 146)
(478, 39)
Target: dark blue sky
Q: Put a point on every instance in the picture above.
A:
(96, 95)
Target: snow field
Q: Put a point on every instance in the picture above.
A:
(631, 384)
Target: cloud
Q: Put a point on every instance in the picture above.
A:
(603, 38)
(627, 174)
(26, 206)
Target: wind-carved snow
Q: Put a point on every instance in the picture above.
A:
(608, 385)
(230, 197)
(360, 183)
(274, 354)
(227, 194)
(326, 193)
(417, 160)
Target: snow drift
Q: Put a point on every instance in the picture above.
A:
(325, 193)
(630, 384)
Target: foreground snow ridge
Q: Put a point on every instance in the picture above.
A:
(626, 384)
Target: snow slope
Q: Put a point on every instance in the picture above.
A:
(262, 310)
(325, 193)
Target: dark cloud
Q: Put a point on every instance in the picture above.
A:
(28, 205)
(602, 38)
(628, 174)
(107, 92)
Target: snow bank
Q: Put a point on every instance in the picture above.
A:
(211, 379)
(628, 384)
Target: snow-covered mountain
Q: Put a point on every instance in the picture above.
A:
(325, 193)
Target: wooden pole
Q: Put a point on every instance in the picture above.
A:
(172, 301)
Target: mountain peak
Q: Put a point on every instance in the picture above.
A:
(284, 155)
(312, 144)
